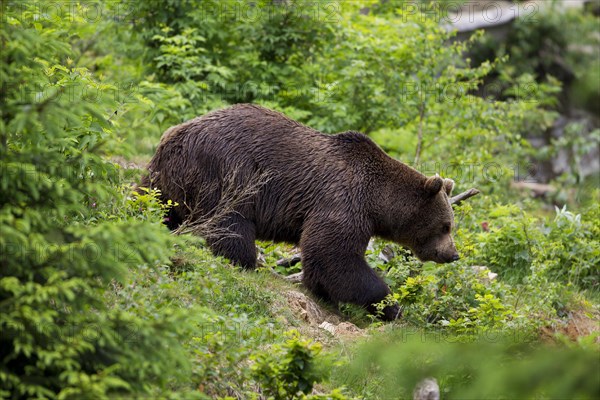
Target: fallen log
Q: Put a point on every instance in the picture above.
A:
(294, 278)
(536, 189)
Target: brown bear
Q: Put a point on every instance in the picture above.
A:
(328, 193)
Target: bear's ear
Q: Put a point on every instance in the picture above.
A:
(448, 186)
(434, 184)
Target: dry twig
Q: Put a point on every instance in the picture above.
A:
(455, 200)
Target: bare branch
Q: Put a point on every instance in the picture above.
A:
(235, 193)
(459, 198)
(289, 262)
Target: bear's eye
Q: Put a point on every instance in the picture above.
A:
(446, 229)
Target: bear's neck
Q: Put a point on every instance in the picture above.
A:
(397, 201)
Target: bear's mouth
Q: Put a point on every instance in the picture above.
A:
(438, 258)
(448, 258)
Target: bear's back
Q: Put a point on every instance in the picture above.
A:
(306, 172)
(251, 131)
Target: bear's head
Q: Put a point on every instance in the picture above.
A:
(432, 223)
(420, 218)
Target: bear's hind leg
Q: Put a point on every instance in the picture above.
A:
(234, 239)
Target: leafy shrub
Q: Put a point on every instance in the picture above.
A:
(59, 339)
(147, 205)
(571, 252)
(287, 370)
(563, 250)
(193, 49)
(508, 246)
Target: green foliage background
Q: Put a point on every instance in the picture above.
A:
(98, 299)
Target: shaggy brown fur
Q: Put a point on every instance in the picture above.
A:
(328, 193)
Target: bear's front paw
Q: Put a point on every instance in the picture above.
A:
(391, 313)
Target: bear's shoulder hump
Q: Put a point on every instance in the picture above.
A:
(354, 139)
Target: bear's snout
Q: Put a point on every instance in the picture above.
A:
(437, 256)
(448, 258)
(439, 250)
